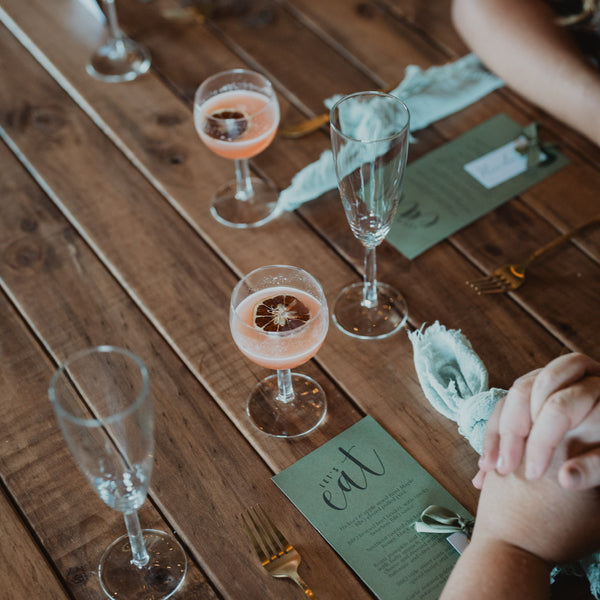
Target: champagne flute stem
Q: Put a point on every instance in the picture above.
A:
(136, 540)
(369, 299)
(285, 389)
(243, 182)
(111, 17)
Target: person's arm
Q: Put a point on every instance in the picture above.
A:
(520, 42)
(522, 529)
(497, 571)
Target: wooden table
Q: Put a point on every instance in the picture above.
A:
(106, 237)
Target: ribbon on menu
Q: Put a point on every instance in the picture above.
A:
(531, 147)
(437, 519)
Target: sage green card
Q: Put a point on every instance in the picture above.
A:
(459, 182)
(363, 493)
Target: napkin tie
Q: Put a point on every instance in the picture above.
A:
(438, 519)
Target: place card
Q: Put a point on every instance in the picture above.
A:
(454, 185)
(363, 493)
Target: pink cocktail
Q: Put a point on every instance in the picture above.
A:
(236, 115)
(279, 320)
(225, 128)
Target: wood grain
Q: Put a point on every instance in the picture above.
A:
(106, 235)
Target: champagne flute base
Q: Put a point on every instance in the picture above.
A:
(380, 321)
(160, 578)
(287, 419)
(231, 210)
(119, 60)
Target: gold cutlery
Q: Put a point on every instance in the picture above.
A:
(277, 555)
(309, 125)
(304, 127)
(512, 276)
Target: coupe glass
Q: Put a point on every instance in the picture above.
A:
(369, 137)
(279, 319)
(101, 398)
(236, 115)
(119, 58)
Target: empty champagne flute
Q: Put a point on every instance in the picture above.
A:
(279, 320)
(101, 398)
(236, 115)
(119, 58)
(369, 137)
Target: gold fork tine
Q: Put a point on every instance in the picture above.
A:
(277, 555)
(511, 277)
(280, 542)
(488, 285)
(257, 547)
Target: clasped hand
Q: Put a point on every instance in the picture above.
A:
(560, 401)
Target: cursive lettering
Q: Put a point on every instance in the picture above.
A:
(354, 477)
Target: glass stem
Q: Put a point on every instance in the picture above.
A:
(114, 31)
(136, 540)
(243, 183)
(285, 390)
(369, 299)
(111, 16)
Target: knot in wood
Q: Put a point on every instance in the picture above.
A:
(77, 576)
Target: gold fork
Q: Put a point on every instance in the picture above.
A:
(512, 276)
(276, 554)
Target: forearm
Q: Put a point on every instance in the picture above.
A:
(495, 570)
(519, 41)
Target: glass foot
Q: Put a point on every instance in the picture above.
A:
(292, 419)
(253, 212)
(158, 579)
(119, 60)
(357, 320)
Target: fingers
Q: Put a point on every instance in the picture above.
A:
(562, 411)
(515, 423)
(558, 374)
(491, 440)
(478, 479)
(581, 472)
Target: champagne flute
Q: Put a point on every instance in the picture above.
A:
(119, 58)
(279, 319)
(369, 136)
(101, 398)
(236, 115)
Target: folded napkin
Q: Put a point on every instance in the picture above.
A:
(455, 382)
(430, 95)
(454, 379)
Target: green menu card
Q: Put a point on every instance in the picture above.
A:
(363, 493)
(459, 182)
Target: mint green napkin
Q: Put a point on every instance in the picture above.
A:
(454, 379)
(430, 95)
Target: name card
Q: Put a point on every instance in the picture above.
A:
(459, 182)
(363, 493)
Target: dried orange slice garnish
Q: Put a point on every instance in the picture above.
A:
(280, 313)
(226, 124)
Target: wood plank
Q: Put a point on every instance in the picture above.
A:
(200, 496)
(178, 307)
(23, 565)
(391, 386)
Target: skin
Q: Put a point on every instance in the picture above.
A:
(520, 42)
(523, 528)
(560, 401)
